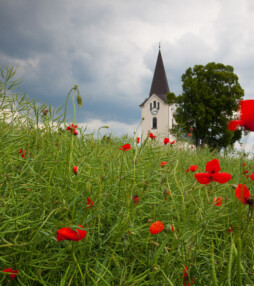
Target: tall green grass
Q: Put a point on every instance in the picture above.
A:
(40, 194)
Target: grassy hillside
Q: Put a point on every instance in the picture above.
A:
(201, 244)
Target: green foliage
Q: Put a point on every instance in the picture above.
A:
(210, 95)
(171, 98)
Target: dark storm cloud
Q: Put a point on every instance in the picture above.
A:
(109, 48)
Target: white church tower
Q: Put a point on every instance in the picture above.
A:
(156, 113)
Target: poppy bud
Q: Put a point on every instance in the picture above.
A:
(45, 111)
(75, 169)
(79, 100)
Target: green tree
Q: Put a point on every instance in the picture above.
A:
(211, 95)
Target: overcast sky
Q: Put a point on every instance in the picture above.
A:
(109, 48)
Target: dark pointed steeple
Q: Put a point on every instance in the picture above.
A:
(160, 83)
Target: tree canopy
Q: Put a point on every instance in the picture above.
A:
(210, 97)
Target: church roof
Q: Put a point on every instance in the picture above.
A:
(161, 96)
(159, 83)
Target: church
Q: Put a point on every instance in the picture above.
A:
(157, 114)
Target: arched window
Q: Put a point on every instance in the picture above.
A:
(154, 104)
(154, 123)
(158, 105)
(151, 106)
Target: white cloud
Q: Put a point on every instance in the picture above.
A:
(115, 128)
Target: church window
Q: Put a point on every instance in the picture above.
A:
(154, 123)
(158, 105)
(154, 104)
(151, 106)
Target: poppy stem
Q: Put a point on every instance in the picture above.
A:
(80, 271)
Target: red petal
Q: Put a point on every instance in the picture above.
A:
(221, 178)
(156, 227)
(252, 176)
(213, 166)
(232, 125)
(247, 114)
(70, 234)
(203, 178)
(242, 193)
(217, 201)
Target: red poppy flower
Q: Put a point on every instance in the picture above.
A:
(166, 141)
(138, 140)
(244, 164)
(135, 199)
(89, 203)
(189, 135)
(193, 168)
(212, 169)
(245, 172)
(217, 201)
(191, 130)
(173, 142)
(171, 228)
(23, 153)
(156, 227)
(75, 169)
(162, 164)
(152, 136)
(252, 176)
(71, 234)
(246, 108)
(72, 128)
(185, 277)
(187, 170)
(230, 229)
(125, 147)
(11, 271)
(243, 194)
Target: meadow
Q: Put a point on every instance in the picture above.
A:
(116, 196)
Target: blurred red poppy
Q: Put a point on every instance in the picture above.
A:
(230, 229)
(245, 172)
(152, 136)
(135, 199)
(217, 201)
(252, 176)
(138, 140)
(185, 277)
(166, 141)
(75, 169)
(45, 111)
(212, 174)
(125, 147)
(156, 227)
(89, 203)
(246, 120)
(162, 164)
(191, 130)
(173, 142)
(70, 234)
(72, 128)
(189, 135)
(23, 153)
(9, 270)
(244, 164)
(243, 194)
(193, 168)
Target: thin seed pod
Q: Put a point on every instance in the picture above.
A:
(215, 282)
(238, 262)
(230, 263)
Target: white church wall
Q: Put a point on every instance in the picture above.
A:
(162, 118)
